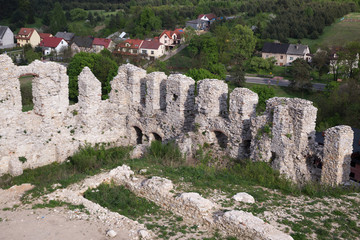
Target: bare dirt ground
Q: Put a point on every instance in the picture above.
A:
(23, 222)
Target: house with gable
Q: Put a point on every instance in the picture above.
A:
(6, 37)
(129, 47)
(53, 44)
(210, 17)
(100, 44)
(45, 35)
(28, 36)
(67, 36)
(82, 44)
(152, 49)
(285, 53)
(171, 38)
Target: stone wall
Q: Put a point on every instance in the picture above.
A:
(144, 107)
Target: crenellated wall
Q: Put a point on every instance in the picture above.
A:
(144, 107)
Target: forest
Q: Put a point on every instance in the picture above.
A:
(285, 18)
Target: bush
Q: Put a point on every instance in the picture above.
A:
(165, 154)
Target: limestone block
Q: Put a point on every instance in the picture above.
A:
(195, 201)
(138, 151)
(338, 147)
(158, 185)
(121, 174)
(212, 98)
(246, 226)
(15, 167)
(244, 197)
(155, 92)
(242, 104)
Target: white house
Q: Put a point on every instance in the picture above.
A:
(53, 44)
(6, 37)
(152, 49)
(296, 51)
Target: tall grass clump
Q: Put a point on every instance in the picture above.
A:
(167, 154)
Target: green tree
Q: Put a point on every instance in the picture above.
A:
(321, 62)
(349, 58)
(147, 22)
(57, 19)
(264, 93)
(199, 74)
(78, 14)
(103, 67)
(300, 72)
(30, 54)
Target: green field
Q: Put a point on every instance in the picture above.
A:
(338, 34)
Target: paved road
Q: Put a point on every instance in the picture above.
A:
(172, 53)
(278, 82)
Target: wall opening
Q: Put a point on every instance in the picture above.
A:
(156, 137)
(26, 91)
(222, 139)
(247, 144)
(139, 135)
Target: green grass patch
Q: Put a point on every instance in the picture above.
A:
(26, 93)
(121, 200)
(55, 203)
(337, 34)
(88, 161)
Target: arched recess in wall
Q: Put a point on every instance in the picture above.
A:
(156, 137)
(136, 135)
(26, 81)
(221, 138)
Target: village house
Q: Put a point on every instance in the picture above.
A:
(6, 37)
(53, 44)
(45, 35)
(129, 47)
(152, 49)
(171, 38)
(67, 36)
(28, 36)
(100, 44)
(335, 64)
(82, 44)
(202, 22)
(285, 53)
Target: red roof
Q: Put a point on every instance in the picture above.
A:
(45, 35)
(51, 42)
(209, 16)
(169, 33)
(25, 33)
(134, 43)
(151, 44)
(102, 41)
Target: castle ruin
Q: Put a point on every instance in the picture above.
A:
(144, 107)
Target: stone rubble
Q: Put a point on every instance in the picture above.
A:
(243, 197)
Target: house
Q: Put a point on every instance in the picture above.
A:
(152, 49)
(67, 36)
(276, 51)
(82, 44)
(6, 37)
(53, 44)
(102, 43)
(210, 17)
(45, 35)
(335, 64)
(129, 47)
(28, 36)
(285, 53)
(296, 51)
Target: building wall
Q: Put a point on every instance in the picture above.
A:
(61, 47)
(156, 53)
(8, 39)
(35, 39)
(166, 40)
(280, 58)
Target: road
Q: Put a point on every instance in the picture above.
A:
(278, 82)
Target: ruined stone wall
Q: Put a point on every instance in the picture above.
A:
(144, 107)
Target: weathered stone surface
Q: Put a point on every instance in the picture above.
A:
(111, 233)
(244, 197)
(146, 107)
(15, 167)
(244, 225)
(195, 201)
(337, 155)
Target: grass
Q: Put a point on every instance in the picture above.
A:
(337, 34)
(121, 200)
(26, 93)
(88, 161)
(55, 203)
